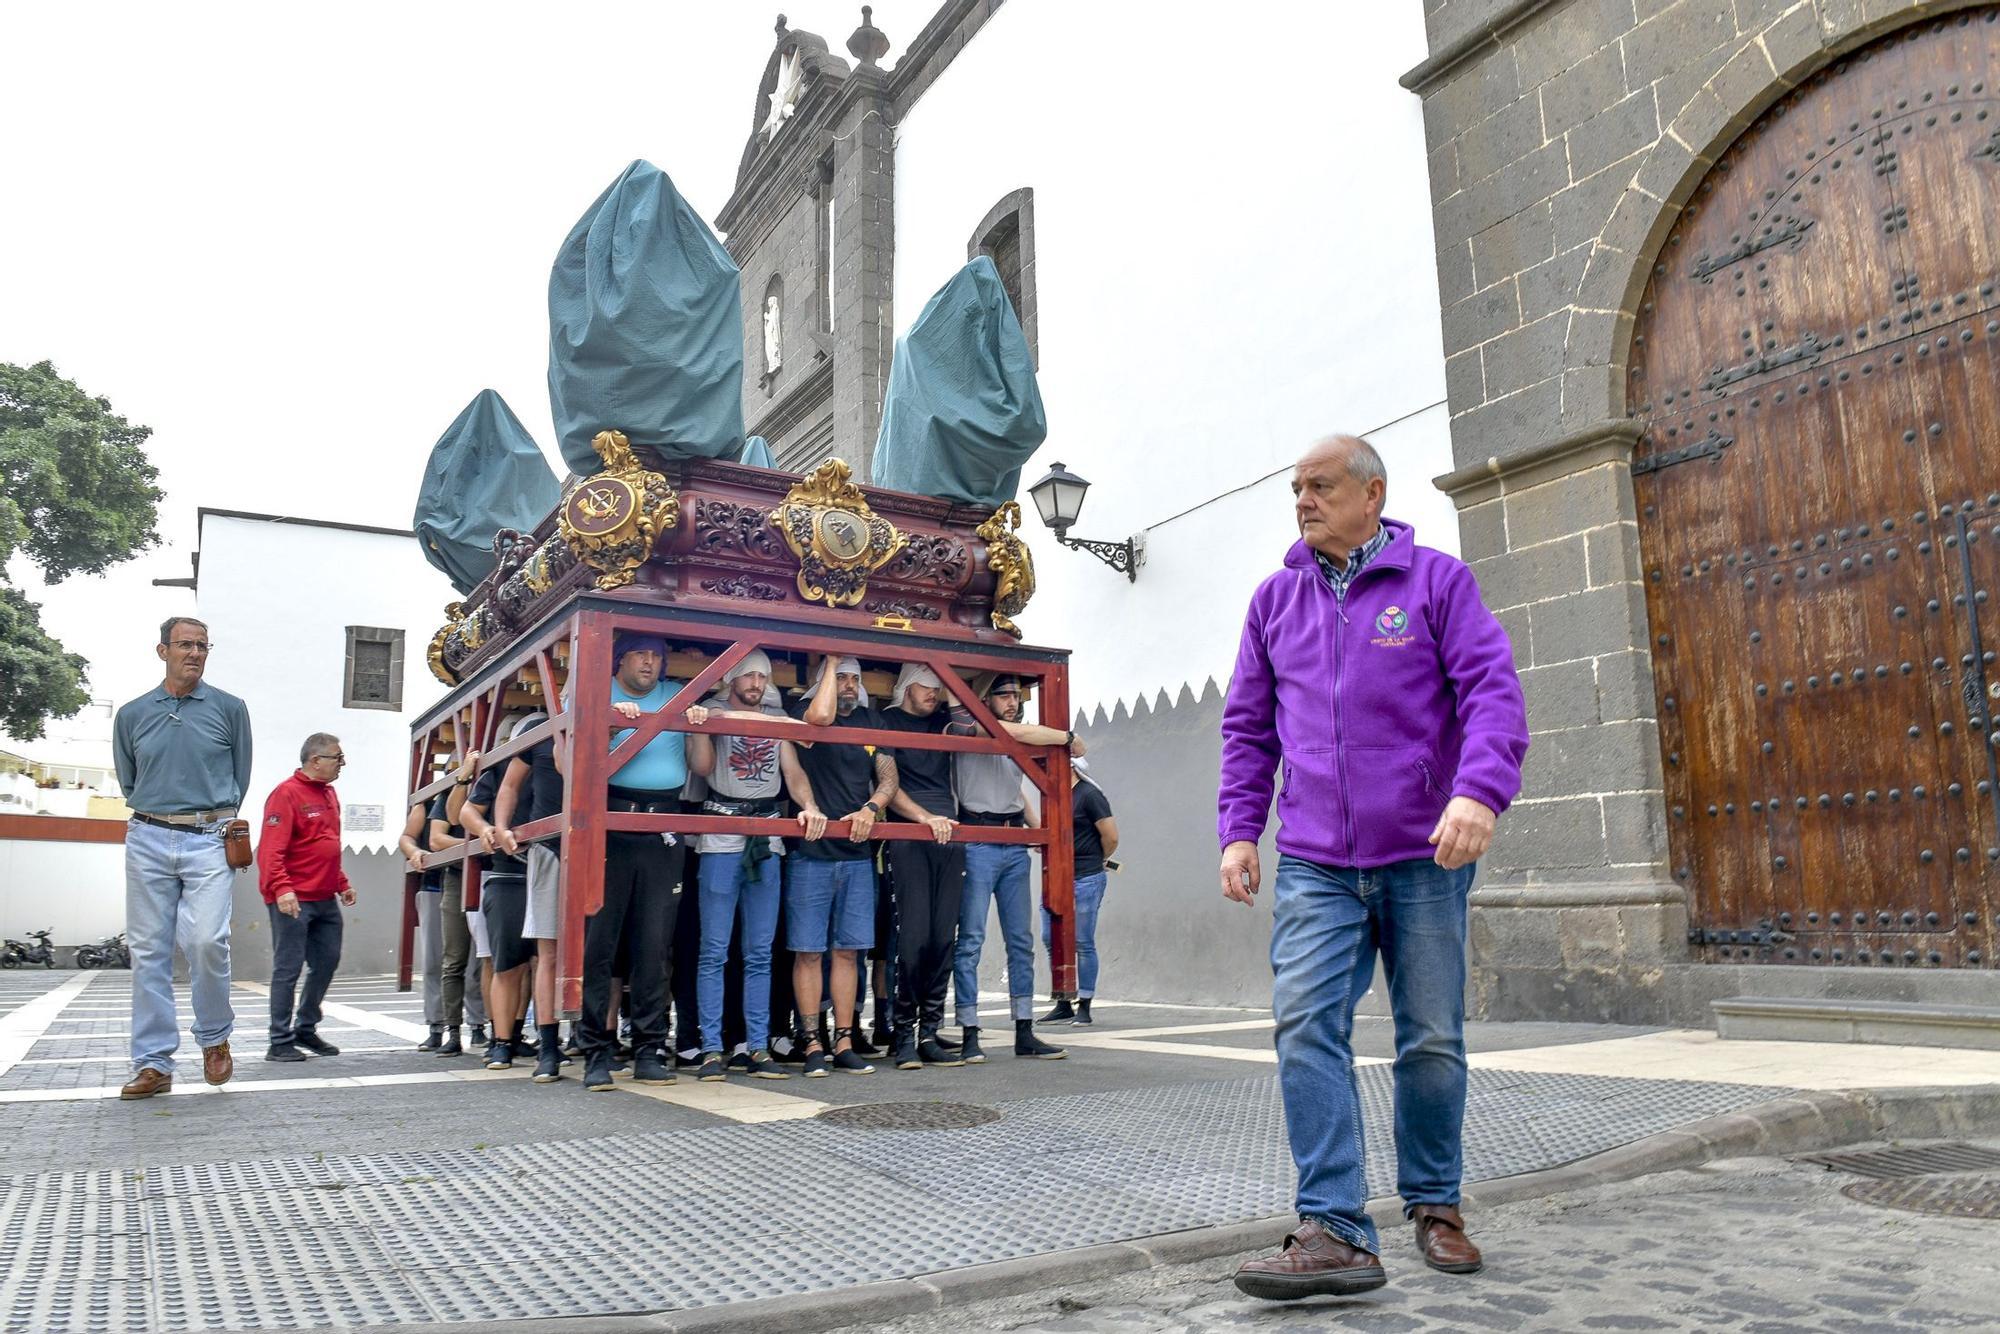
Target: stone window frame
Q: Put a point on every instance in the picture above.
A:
(1014, 214)
(372, 634)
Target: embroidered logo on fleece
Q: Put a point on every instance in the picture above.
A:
(1392, 624)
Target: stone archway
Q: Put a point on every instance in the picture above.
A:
(1815, 356)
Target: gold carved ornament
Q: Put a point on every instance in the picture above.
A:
(1012, 564)
(611, 519)
(838, 539)
(462, 630)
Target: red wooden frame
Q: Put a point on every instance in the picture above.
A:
(473, 713)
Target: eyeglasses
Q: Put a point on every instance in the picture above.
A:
(337, 759)
(191, 645)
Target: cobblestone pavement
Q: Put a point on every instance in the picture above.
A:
(1754, 1245)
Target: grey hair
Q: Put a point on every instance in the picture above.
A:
(1364, 465)
(318, 741)
(167, 626)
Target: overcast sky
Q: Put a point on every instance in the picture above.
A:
(296, 243)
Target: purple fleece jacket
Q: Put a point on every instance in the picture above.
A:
(1378, 711)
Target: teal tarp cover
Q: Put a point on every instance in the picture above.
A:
(485, 474)
(757, 453)
(645, 327)
(963, 411)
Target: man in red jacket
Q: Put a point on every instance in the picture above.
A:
(298, 871)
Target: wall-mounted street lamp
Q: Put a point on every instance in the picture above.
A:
(1059, 497)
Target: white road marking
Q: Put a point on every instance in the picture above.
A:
(23, 1026)
(354, 1014)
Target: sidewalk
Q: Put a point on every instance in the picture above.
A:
(385, 1186)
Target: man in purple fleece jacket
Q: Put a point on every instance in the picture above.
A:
(1372, 675)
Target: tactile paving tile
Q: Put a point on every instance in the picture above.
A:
(698, 1217)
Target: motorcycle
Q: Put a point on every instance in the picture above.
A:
(26, 956)
(109, 953)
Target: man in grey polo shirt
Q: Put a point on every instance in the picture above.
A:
(183, 757)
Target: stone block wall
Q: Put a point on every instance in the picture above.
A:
(1563, 138)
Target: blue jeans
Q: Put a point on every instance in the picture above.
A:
(830, 898)
(176, 887)
(729, 890)
(998, 873)
(1330, 923)
(1086, 898)
(304, 947)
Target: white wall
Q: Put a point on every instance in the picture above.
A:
(76, 890)
(278, 599)
(1233, 254)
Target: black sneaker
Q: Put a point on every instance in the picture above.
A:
(597, 1072)
(945, 1042)
(451, 1046)
(883, 1037)
(548, 1065)
(573, 1045)
(763, 1067)
(738, 1063)
(316, 1044)
(434, 1041)
(711, 1071)
(619, 1064)
(931, 1053)
(648, 1067)
(862, 1046)
(1027, 1044)
(625, 1051)
(478, 1036)
(525, 1048)
(971, 1050)
(785, 1051)
(1083, 1019)
(906, 1052)
(688, 1059)
(849, 1062)
(1061, 1012)
(285, 1052)
(816, 1062)
(500, 1055)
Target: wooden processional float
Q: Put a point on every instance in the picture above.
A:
(720, 559)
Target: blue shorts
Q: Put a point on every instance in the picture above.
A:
(823, 896)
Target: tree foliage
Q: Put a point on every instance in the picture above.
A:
(76, 488)
(77, 496)
(38, 680)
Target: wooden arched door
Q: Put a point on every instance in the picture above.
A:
(1817, 362)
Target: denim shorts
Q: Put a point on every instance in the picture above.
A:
(829, 896)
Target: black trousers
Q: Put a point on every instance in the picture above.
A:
(641, 904)
(930, 878)
(310, 941)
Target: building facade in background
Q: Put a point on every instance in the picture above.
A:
(1214, 266)
(1718, 284)
(321, 627)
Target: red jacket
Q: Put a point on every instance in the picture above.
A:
(299, 850)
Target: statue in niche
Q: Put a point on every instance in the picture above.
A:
(774, 352)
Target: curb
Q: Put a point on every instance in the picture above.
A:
(1783, 1126)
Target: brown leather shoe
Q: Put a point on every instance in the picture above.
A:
(146, 1083)
(1441, 1237)
(1312, 1263)
(216, 1065)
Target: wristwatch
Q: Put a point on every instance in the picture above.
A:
(871, 808)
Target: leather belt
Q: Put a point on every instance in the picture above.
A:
(729, 806)
(185, 819)
(990, 820)
(633, 802)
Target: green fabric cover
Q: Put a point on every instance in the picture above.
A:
(645, 327)
(757, 453)
(485, 473)
(963, 412)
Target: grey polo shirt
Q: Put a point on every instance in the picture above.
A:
(177, 754)
(990, 784)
